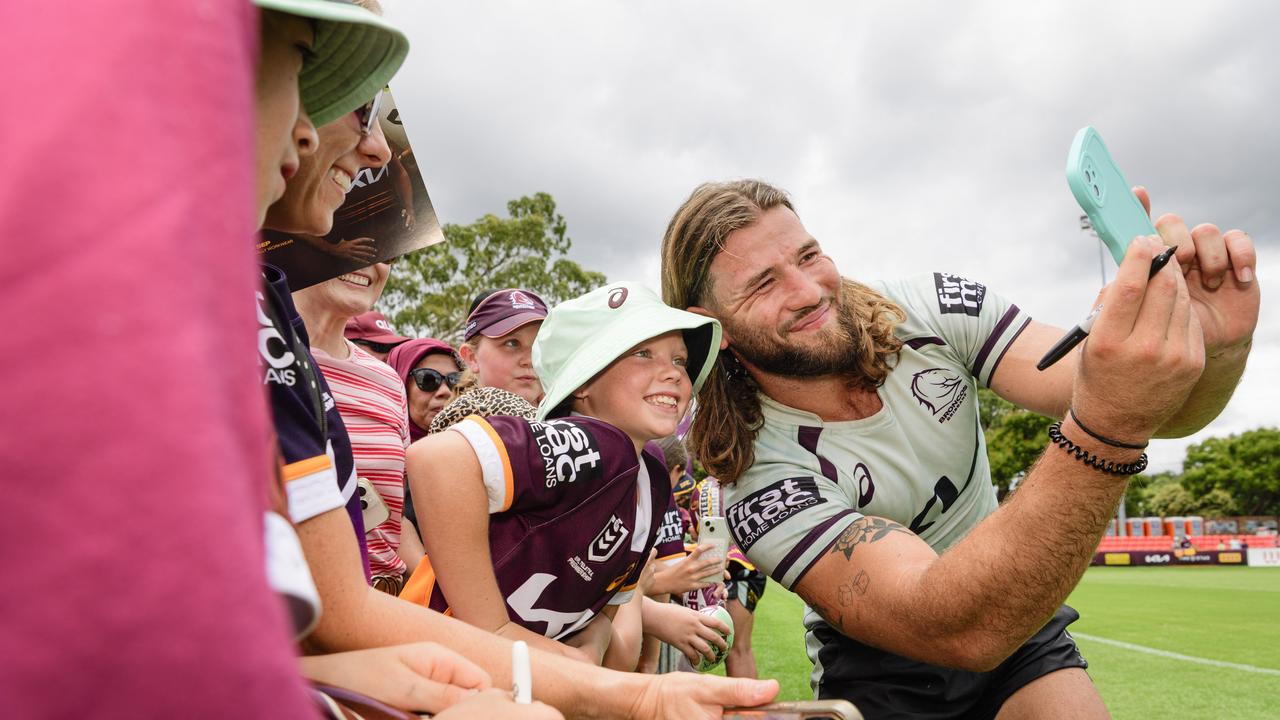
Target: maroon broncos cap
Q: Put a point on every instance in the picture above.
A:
(372, 327)
(503, 312)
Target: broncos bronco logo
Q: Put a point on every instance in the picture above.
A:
(940, 390)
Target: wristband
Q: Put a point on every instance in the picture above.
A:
(1107, 466)
(1103, 439)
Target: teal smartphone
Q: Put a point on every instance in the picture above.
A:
(1104, 195)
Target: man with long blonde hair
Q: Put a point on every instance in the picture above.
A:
(843, 419)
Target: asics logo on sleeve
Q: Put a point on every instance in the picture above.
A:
(758, 513)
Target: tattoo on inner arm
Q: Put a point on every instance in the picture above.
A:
(868, 530)
(857, 586)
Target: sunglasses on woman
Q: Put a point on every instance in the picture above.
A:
(367, 114)
(429, 380)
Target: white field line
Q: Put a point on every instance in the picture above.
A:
(1176, 656)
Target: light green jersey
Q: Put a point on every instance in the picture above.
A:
(920, 461)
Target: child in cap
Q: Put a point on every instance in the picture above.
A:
(498, 341)
(535, 528)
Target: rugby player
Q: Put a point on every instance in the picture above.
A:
(844, 422)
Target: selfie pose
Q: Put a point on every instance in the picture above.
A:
(844, 422)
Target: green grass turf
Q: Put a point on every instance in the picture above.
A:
(1230, 614)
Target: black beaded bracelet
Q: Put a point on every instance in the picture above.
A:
(1100, 438)
(1093, 461)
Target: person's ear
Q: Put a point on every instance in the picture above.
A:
(468, 355)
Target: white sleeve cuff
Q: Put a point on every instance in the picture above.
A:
(493, 469)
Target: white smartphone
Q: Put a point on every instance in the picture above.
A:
(714, 530)
(373, 508)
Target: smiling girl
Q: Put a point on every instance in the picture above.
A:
(535, 528)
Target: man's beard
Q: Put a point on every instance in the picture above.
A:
(836, 352)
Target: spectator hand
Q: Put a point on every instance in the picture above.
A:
(420, 676)
(689, 631)
(685, 696)
(686, 574)
(1220, 272)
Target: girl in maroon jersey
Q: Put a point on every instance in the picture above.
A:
(540, 529)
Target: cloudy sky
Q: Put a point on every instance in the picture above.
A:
(912, 136)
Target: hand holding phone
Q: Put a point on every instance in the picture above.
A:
(713, 530)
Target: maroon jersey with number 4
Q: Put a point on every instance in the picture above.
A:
(573, 515)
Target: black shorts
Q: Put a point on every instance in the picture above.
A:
(745, 586)
(884, 685)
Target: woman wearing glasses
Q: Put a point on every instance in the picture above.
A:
(369, 395)
(430, 370)
(347, 145)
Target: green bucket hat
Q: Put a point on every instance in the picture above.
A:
(356, 54)
(582, 336)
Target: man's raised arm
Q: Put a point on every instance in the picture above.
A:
(978, 602)
(1219, 271)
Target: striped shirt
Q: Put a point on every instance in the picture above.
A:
(371, 399)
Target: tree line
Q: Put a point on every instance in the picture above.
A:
(1221, 476)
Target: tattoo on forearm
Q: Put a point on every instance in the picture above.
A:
(868, 530)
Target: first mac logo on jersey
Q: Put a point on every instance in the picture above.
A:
(762, 511)
(957, 295)
(566, 450)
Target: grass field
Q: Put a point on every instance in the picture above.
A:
(1201, 615)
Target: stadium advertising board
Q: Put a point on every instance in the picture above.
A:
(1172, 557)
(1264, 557)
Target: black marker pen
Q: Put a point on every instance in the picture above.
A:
(1077, 334)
